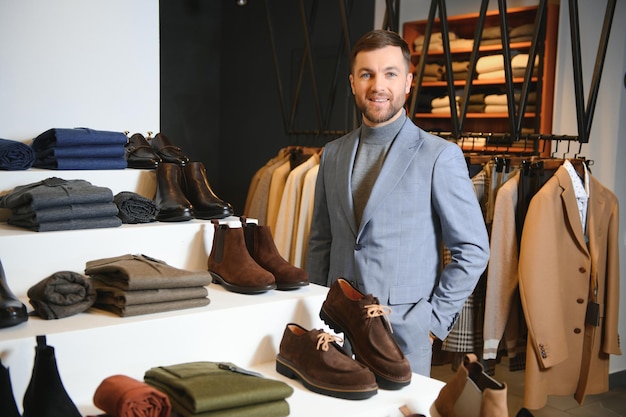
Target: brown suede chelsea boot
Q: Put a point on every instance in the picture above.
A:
(363, 321)
(323, 366)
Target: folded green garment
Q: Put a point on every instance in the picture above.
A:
(201, 387)
(278, 408)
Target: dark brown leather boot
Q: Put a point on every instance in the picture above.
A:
(231, 265)
(12, 310)
(171, 201)
(262, 248)
(322, 365)
(362, 319)
(206, 205)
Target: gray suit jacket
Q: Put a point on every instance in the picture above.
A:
(422, 199)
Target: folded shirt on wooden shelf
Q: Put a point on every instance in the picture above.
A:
(438, 102)
(62, 294)
(492, 63)
(219, 389)
(15, 156)
(502, 98)
(503, 108)
(516, 73)
(121, 298)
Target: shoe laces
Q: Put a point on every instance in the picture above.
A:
(377, 310)
(323, 339)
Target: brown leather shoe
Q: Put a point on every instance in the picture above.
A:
(262, 248)
(206, 205)
(231, 265)
(360, 318)
(171, 201)
(139, 153)
(322, 365)
(167, 151)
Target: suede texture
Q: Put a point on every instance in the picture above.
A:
(262, 248)
(345, 311)
(230, 260)
(331, 369)
(206, 205)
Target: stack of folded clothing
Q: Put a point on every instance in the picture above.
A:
(522, 33)
(15, 156)
(433, 72)
(210, 389)
(442, 104)
(492, 66)
(131, 285)
(460, 70)
(80, 148)
(498, 103)
(491, 35)
(58, 204)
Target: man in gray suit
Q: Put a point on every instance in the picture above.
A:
(388, 197)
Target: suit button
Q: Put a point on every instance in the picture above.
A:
(577, 330)
(582, 270)
(580, 301)
(358, 246)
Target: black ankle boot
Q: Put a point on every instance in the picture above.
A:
(45, 395)
(12, 310)
(171, 201)
(8, 407)
(206, 205)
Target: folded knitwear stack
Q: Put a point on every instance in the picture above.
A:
(80, 149)
(210, 389)
(492, 66)
(58, 204)
(131, 285)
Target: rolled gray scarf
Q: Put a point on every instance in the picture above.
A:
(135, 208)
(62, 294)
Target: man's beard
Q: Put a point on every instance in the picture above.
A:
(376, 116)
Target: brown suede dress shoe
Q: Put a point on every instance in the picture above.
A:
(360, 318)
(322, 365)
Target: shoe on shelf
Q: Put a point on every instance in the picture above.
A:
(139, 153)
(167, 151)
(206, 205)
(322, 365)
(263, 250)
(170, 200)
(365, 324)
(12, 310)
(231, 265)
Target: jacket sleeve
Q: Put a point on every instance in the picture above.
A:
(464, 233)
(318, 258)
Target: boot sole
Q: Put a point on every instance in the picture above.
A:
(383, 381)
(238, 288)
(291, 286)
(286, 368)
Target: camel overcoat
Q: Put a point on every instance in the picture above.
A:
(559, 272)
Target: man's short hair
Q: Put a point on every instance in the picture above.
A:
(377, 39)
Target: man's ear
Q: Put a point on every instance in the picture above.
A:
(409, 81)
(351, 83)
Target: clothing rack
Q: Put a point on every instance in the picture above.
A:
(584, 115)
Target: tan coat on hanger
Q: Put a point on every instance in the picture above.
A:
(565, 356)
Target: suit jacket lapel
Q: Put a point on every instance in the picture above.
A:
(343, 169)
(400, 155)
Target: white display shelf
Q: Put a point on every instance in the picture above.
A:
(93, 345)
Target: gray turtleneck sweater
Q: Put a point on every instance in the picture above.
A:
(374, 143)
